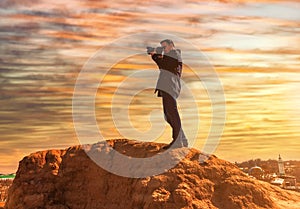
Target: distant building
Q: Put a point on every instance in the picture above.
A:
(281, 166)
(285, 182)
(279, 175)
(256, 172)
(278, 182)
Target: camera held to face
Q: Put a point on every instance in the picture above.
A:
(158, 50)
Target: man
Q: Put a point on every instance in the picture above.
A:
(168, 87)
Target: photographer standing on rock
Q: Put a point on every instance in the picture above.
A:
(168, 87)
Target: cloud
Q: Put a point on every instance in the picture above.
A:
(16, 3)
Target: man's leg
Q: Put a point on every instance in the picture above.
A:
(183, 138)
(172, 117)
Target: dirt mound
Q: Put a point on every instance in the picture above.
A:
(61, 179)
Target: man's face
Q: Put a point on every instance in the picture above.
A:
(167, 47)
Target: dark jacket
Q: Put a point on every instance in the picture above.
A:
(170, 61)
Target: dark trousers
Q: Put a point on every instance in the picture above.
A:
(171, 114)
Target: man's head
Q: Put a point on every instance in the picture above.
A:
(167, 44)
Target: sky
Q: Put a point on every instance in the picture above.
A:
(252, 46)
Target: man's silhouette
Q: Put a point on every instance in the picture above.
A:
(168, 87)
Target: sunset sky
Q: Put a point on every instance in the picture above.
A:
(253, 45)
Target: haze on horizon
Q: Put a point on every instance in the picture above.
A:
(253, 45)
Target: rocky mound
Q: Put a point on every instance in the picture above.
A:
(69, 179)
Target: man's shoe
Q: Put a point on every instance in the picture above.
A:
(185, 142)
(173, 145)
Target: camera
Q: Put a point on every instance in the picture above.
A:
(158, 50)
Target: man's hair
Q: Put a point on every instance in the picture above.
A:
(168, 41)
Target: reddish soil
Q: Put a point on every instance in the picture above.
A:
(61, 179)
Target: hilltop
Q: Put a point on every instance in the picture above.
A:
(61, 179)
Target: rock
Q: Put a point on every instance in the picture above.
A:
(61, 179)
